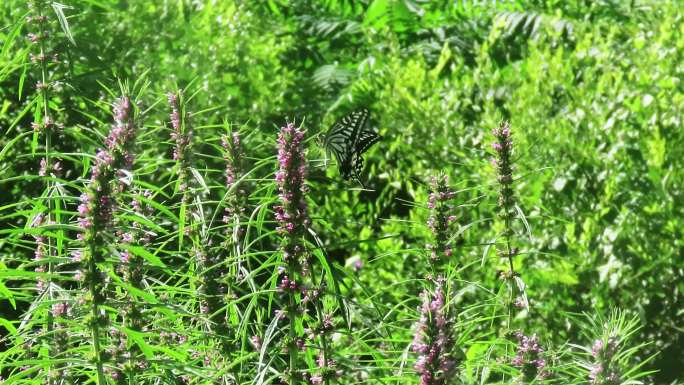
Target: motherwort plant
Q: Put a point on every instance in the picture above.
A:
(434, 341)
(97, 208)
(292, 218)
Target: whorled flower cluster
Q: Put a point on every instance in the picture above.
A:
(131, 267)
(39, 24)
(123, 358)
(327, 370)
(293, 220)
(434, 342)
(97, 208)
(604, 370)
(54, 169)
(107, 174)
(237, 199)
(503, 146)
(210, 284)
(440, 218)
(291, 214)
(182, 136)
(41, 249)
(529, 357)
(60, 341)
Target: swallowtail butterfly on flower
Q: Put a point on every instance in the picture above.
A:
(348, 139)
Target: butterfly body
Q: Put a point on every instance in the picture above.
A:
(348, 139)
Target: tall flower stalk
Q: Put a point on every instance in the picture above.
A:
(236, 189)
(503, 147)
(182, 136)
(131, 266)
(440, 219)
(529, 353)
(217, 276)
(293, 219)
(203, 255)
(96, 218)
(434, 341)
(38, 24)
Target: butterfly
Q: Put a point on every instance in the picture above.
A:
(348, 139)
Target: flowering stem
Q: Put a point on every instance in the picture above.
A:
(95, 321)
(292, 218)
(292, 332)
(40, 19)
(503, 146)
(96, 212)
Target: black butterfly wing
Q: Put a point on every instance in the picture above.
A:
(342, 139)
(339, 146)
(365, 141)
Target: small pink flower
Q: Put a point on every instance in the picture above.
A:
(59, 309)
(256, 342)
(76, 256)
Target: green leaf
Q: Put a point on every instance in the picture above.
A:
(138, 338)
(142, 252)
(7, 294)
(11, 143)
(377, 14)
(63, 22)
(8, 325)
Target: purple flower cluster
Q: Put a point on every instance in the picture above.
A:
(60, 340)
(529, 357)
(440, 218)
(604, 371)
(38, 23)
(287, 284)
(41, 248)
(327, 370)
(96, 212)
(434, 341)
(503, 146)
(183, 138)
(212, 286)
(256, 341)
(236, 202)
(131, 267)
(56, 167)
(291, 214)
(97, 204)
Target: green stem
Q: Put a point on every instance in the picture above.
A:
(292, 315)
(95, 325)
(49, 185)
(324, 339)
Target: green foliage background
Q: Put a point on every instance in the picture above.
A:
(592, 90)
